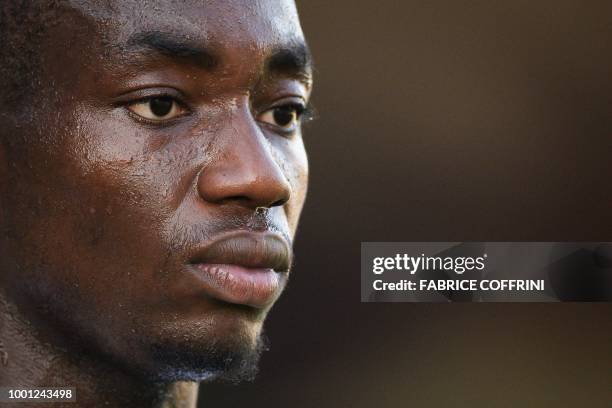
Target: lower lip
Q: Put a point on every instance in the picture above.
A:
(254, 287)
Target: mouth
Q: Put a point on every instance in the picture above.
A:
(244, 267)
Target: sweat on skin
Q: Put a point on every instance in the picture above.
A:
(152, 175)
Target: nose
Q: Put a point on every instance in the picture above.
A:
(243, 169)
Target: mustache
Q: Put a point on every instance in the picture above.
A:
(261, 219)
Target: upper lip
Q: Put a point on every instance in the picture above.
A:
(265, 250)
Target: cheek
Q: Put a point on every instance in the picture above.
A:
(293, 160)
(102, 211)
(148, 172)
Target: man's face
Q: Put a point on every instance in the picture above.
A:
(149, 207)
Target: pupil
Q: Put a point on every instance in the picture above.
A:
(284, 116)
(160, 106)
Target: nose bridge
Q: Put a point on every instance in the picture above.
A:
(244, 170)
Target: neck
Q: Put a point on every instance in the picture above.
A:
(27, 360)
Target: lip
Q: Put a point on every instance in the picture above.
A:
(243, 267)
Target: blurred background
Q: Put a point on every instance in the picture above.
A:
(445, 120)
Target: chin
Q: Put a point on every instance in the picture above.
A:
(226, 345)
(232, 360)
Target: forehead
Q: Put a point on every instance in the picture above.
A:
(219, 23)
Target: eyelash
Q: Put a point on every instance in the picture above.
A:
(148, 98)
(301, 113)
(308, 114)
(305, 112)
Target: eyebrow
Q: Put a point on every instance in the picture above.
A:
(175, 47)
(292, 59)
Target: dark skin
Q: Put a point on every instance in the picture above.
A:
(155, 129)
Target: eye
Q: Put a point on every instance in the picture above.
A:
(157, 109)
(285, 117)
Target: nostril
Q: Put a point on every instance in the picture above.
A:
(279, 203)
(236, 199)
(248, 201)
